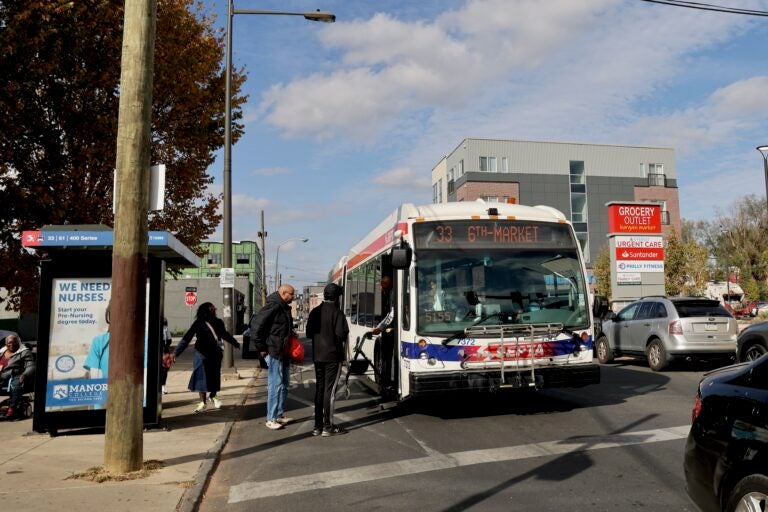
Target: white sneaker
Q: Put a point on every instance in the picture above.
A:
(165, 391)
(284, 420)
(200, 407)
(274, 425)
(216, 402)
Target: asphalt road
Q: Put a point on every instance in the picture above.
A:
(616, 445)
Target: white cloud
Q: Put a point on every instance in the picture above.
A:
(402, 177)
(270, 171)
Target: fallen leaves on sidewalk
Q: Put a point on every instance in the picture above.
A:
(98, 474)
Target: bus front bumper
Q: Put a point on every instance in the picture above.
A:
(490, 380)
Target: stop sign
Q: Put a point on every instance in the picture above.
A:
(190, 298)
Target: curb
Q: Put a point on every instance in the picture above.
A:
(190, 500)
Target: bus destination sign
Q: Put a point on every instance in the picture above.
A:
(490, 234)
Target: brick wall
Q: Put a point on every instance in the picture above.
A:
(670, 195)
(469, 191)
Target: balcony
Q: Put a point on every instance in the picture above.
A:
(657, 180)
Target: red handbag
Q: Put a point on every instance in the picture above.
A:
(295, 349)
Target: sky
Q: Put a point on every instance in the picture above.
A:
(345, 121)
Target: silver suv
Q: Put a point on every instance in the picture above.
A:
(663, 329)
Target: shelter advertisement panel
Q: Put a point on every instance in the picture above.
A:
(78, 357)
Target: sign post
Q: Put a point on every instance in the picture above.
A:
(636, 246)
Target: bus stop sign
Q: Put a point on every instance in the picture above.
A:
(190, 298)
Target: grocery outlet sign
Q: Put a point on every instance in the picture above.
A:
(634, 218)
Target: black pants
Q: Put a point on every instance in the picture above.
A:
(326, 381)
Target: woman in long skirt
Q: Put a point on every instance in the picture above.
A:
(209, 333)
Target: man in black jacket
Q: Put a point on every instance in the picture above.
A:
(270, 329)
(327, 327)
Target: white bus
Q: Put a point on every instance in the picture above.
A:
(486, 295)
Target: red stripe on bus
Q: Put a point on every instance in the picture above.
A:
(373, 248)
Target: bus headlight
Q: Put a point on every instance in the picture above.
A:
(423, 356)
(431, 361)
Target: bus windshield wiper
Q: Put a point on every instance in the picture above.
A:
(452, 337)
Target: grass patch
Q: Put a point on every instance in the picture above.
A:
(98, 474)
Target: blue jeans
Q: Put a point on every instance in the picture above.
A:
(278, 380)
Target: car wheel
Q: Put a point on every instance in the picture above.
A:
(603, 349)
(657, 356)
(749, 494)
(754, 351)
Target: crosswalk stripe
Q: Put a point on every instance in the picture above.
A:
(435, 462)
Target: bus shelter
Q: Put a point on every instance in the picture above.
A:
(73, 327)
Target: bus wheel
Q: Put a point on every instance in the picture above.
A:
(378, 364)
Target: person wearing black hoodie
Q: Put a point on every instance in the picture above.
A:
(328, 329)
(270, 329)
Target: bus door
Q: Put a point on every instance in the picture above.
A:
(405, 332)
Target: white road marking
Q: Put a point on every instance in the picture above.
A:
(435, 462)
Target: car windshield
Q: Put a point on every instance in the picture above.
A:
(459, 288)
(700, 308)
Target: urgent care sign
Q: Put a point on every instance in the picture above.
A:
(634, 218)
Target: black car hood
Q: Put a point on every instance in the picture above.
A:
(726, 372)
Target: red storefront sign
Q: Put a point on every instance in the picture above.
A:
(634, 218)
(639, 254)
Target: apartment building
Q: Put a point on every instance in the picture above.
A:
(577, 179)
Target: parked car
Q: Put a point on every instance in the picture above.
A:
(752, 342)
(760, 307)
(726, 454)
(663, 329)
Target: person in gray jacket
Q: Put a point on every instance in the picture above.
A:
(328, 329)
(17, 368)
(270, 329)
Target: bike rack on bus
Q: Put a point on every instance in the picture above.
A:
(521, 333)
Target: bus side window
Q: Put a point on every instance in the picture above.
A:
(406, 320)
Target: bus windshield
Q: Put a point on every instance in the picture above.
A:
(464, 285)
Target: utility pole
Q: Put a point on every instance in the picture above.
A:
(263, 236)
(123, 440)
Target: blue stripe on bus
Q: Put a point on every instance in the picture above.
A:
(411, 350)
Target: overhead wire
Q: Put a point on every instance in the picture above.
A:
(709, 7)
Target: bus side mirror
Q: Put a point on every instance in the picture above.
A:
(401, 257)
(600, 306)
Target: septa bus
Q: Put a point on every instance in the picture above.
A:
(485, 295)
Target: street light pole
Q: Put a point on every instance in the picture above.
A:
(764, 151)
(277, 256)
(727, 269)
(227, 314)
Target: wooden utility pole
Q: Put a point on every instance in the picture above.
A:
(123, 442)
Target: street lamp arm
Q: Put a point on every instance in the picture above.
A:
(322, 16)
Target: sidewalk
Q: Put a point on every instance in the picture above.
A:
(36, 467)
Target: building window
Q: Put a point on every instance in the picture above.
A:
(504, 164)
(434, 193)
(214, 258)
(242, 258)
(490, 199)
(487, 164)
(440, 190)
(461, 168)
(578, 192)
(656, 175)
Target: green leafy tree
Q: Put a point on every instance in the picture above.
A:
(602, 270)
(738, 238)
(685, 267)
(59, 83)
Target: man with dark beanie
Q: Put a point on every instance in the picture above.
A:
(327, 327)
